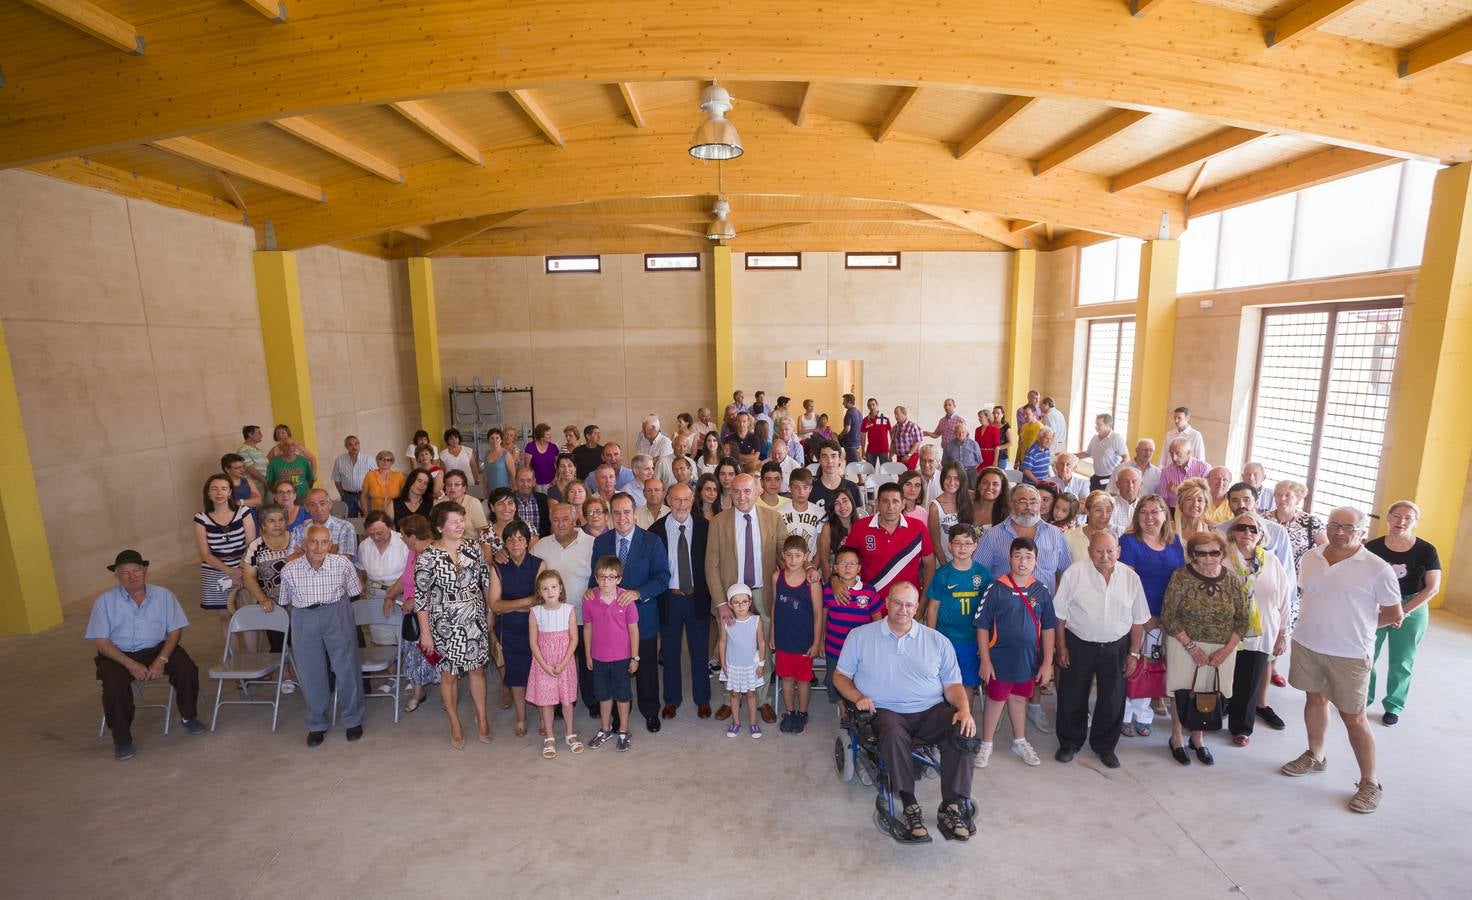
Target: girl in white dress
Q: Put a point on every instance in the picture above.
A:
(742, 652)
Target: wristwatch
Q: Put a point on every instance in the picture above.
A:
(1138, 655)
(636, 659)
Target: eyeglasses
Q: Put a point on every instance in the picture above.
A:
(1248, 528)
(1336, 526)
(1205, 554)
(607, 576)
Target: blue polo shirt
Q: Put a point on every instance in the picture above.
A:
(902, 674)
(135, 626)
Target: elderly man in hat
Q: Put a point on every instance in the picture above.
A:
(136, 628)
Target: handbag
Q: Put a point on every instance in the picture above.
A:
(1148, 682)
(410, 628)
(1201, 710)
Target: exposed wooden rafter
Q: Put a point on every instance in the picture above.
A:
(534, 111)
(1190, 155)
(809, 91)
(273, 10)
(1317, 168)
(1198, 181)
(1306, 18)
(991, 227)
(442, 237)
(892, 118)
(626, 90)
(1095, 136)
(431, 125)
(594, 218)
(215, 158)
(94, 20)
(340, 147)
(418, 232)
(1440, 50)
(993, 123)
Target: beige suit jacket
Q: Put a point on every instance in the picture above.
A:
(723, 565)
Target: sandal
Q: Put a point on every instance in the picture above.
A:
(1128, 730)
(521, 729)
(1142, 730)
(412, 705)
(573, 743)
(549, 748)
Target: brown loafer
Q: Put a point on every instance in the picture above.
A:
(703, 710)
(669, 711)
(724, 712)
(769, 715)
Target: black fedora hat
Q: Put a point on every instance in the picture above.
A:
(128, 557)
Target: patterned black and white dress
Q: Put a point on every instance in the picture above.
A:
(227, 543)
(456, 601)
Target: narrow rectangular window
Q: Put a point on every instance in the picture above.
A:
(774, 260)
(671, 262)
(871, 260)
(559, 265)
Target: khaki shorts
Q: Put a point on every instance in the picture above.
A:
(1344, 680)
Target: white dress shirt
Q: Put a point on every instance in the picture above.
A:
(573, 562)
(1193, 440)
(672, 544)
(756, 545)
(1054, 420)
(656, 449)
(1149, 479)
(1099, 611)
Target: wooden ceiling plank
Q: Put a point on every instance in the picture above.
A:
(451, 233)
(892, 118)
(579, 217)
(538, 115)
(1296, 175)
(94, 20)
(1440, 50)
(433, 126)
(273, 10)
(992, 125)
(1088, 140)
(1190, 155)
(988, 226)
(800, 118)
(340, 147)
(626, 90)
(215, 158)
(1306, 18)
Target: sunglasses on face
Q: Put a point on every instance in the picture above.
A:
(1251, 529)
(1205, 554)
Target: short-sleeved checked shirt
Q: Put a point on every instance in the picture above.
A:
(306, 587)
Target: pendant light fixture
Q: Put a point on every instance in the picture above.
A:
(721, 229)
(716, 138)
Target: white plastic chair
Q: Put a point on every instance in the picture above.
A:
(375, 660)
(893, 468)
(143, 703)
(813, 467)
(252, 668)
(858, 471)
(1014, 476)
(871, 487)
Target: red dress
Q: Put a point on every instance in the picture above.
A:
(989, 438)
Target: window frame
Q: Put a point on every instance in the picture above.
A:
(694, 256)
(848, 262)
(596, 270)
(1085, 427)
(797, 258)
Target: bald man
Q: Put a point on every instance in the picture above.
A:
(319, 587)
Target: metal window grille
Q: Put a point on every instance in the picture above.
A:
(1108, 370)
(1319, 406)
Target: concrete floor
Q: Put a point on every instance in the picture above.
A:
(247, 813)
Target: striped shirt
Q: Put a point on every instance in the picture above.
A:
(839, 619)
(889, 556)
(305, 587)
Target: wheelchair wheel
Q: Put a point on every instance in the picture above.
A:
(843, 759)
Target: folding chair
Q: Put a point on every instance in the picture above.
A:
(142, 703)
(893, 468)
(376, 659)
(1014, 476)
(871, 487)
(252, 668)
(858, 471)
(813, 467)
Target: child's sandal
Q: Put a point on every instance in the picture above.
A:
(549, 748)
(573, 743)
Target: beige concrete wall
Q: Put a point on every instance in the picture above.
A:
(601, 348)
(360, 351)
(936, 328)
(135, 340)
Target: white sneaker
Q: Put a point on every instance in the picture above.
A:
(1039, 719)
(984, 754)
(1023, 749)
(385, 689)
(288, 687)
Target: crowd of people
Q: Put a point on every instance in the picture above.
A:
(766, 550)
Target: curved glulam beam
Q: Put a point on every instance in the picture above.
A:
(200, 77)
(612, 161)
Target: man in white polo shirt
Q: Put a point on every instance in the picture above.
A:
(1348, 592)
(569, 552)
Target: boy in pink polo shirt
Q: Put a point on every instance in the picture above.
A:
(611, 636)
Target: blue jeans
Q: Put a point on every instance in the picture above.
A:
(350, 500)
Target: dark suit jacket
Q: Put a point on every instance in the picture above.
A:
(698, 533)
(646, 570)
(544, 514)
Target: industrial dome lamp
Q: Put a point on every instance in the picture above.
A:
(716, 138)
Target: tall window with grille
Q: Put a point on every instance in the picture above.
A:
(1319, 406)
(1107, 372)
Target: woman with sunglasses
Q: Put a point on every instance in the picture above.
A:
(1271, 595)
(1204, 616)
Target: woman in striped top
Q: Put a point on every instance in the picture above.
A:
(221, 532)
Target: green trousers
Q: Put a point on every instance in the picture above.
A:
(1403, 642)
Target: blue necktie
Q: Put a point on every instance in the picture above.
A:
(623, 549)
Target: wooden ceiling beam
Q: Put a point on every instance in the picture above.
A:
(273, 10)
(1190, 155)
(800, 118)
(991, 227)
(1306, 18)
(1090, 139)
(1317, 168)
(1078, 239)
(614, 162)
(75, 103)
(534, 111)
(95, 21)
(992, 125)
(418, 232)
(340, 147)
(215, 158)
(1440, 50)
(544, 242)
(892, 118)
(431, 125)
(443, 237)
(626, 90)
(580, 217)
(1198, 181)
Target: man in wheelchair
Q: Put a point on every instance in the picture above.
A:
(905, 676)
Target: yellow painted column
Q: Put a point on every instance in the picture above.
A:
(1155, 340)
(1021, 295)
(725, 328)
(279, 294)
(1429, 445)
(427, 347)
(28, 598)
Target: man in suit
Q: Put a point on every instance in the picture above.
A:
(646, 576)
(684, 609)
(743, 546)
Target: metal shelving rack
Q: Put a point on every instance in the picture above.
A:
(476, 409)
